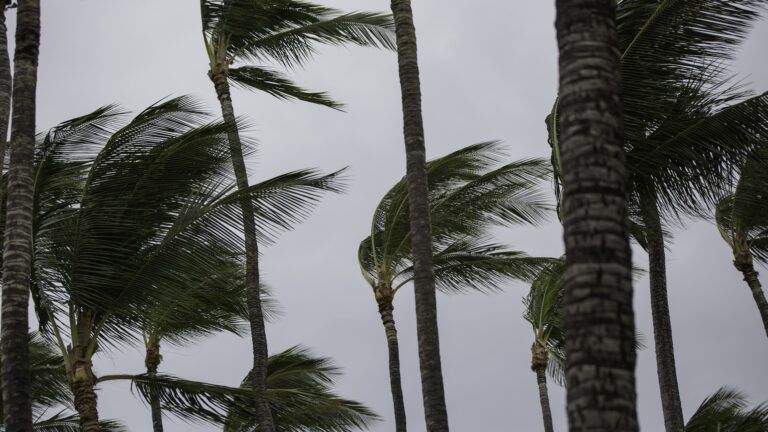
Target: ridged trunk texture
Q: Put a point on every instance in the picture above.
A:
(386, 310)
(539, 360)
(662, 323)
(82, 382)
(219, 77)
(598, 314)
(17, 258)
(744, 263)
(6, 86)
(433, 393)
(152, 361)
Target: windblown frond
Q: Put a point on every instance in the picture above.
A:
(726, 411)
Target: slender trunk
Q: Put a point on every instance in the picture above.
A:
(435, 411)
(386, 311)
(17, 264)
(5, 88)
(598, 314)
(743, 263)
(662, 324)
(219, 77)
(152, 361)
(539, 360)
(82, 382)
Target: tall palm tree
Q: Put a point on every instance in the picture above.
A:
(469, 193)
(140, 223)
(544, 311)
(6, 87)
(285, 31)
(299, 391)
(726, 411)
(742, 219)
(17, 264)
(597, 311)
(685, 125)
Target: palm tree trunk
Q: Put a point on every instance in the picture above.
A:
(435, 412)
(152, 361)
(219, 77)
(386, 310)
(743, 263)
(539, 360)
(17, 265)
(662, 323)
(6, 83)
(82, 382)
(598, 314)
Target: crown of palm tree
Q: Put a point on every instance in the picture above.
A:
(726, 411)
(285, 32)
(299, 391)
(467, 196)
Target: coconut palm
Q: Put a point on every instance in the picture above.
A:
(50, 391)
(17, 264)
(433, 393)
(544, 311)
(286, 32)
(139, 224)
(742, 219)
(299, 392)
(6, 84)
(685, 125)
(726, 411)
(597, 274)
(469, 194)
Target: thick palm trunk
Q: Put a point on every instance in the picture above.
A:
(598, 314)
(82, 382)
(18, 230)
(152, 361)
(386, 311)
(219, 77)
(5, 88)
(433, 393)
(662, 323)
(743, 263)
(539, 360)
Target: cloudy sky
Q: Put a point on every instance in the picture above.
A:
(488, 71)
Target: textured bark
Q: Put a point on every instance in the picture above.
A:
(81, 382)
(744, 263)
(152, 362)
(17, 258)
(5, 89)
(386, 310)
(433, 393)
(539, 360)
(218, 75)
(598, 314)
(662, 323)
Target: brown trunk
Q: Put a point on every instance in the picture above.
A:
(662, 322)
(539, 360)
(17, 264)
(598, 314)
(152, 362)
(743, 263)
(435, 411)
(6, 83)
(82, 382)
(386, 310)
(218, 75)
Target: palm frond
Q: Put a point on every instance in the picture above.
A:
(276, 84)
(726, 411)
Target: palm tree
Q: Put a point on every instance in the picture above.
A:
(299, 391)
(467, 197)
(139, 224)
(685, 125)
(725, 411)
(544, 311)
(285, 31)
(433, 393)
(6, 86)
(50, 391)
(597, 311)
(17, 264)
(742, 219)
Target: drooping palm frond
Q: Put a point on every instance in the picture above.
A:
(62, 422)
(298, 390)
(276, 84)
(287, 31)
(726, 411)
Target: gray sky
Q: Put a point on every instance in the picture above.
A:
(488, 71)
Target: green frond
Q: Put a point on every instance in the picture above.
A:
(726, 411)
(276, 84)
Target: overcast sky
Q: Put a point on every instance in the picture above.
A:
(488, 71)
